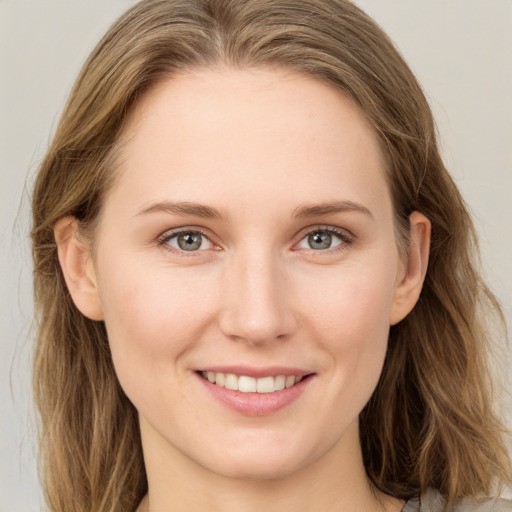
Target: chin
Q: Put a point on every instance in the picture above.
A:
(270, 461)
(255, 470)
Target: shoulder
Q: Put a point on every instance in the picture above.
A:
(432, 501)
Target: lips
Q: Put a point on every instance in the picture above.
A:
(255, 392)
(248, 384)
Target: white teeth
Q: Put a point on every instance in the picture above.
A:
(246, 384)
(231, 382)
(280, 383)
(290, 381)
(265, 385)
(220, 379)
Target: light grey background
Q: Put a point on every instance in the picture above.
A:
(461, 50)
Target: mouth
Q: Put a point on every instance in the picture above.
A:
(255, 391)
(248, 384)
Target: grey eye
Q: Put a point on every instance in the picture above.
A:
(189, 241)
(320, 240)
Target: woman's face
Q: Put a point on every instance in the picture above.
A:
(249, 235)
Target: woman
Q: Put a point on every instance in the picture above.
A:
(254, 276)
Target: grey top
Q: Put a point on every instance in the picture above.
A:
(432, 501)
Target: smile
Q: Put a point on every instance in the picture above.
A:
(246, 384)
(255, 391)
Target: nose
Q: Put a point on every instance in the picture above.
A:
(256, 301)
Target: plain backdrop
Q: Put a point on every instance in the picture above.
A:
(461, 51)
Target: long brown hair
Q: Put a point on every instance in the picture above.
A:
(430, 421)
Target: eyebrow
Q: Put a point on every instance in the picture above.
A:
(184, 208)
(318, 210)
(208, 212)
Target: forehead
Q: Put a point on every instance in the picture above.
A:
(209, 134)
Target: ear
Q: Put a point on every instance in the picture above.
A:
(414, 268)
(77, 267)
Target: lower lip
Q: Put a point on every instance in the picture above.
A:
(257, 404)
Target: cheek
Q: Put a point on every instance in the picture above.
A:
(350, 302)
(151, 315)
(349, 318)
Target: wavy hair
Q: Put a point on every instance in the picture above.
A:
(430, 421)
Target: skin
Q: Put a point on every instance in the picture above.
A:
(256, 145)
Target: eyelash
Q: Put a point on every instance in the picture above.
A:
(169, 235)
(346, 239)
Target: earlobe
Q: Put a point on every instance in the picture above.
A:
(77, 267)
(410, 282)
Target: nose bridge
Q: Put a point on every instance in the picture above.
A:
(255, 307)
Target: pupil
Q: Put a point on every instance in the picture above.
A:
(320, 240)
(189, 241)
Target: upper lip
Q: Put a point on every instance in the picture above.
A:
(257, 372)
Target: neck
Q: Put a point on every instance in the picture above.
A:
(335, 481)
